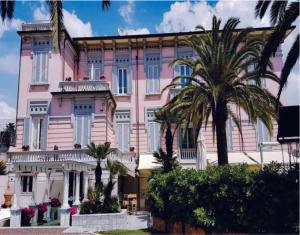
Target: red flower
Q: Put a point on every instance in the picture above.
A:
(55, 202)
(73, 210)
(42, 208)
(29, 213)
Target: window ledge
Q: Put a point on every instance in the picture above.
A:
(26, 193)
(39, 84)
(122, 95)
(153, 94)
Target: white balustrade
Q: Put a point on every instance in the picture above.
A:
(84, 85)
(188, 153)
(78, 155)
(36, 26)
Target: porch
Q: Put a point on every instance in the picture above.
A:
(70, 172)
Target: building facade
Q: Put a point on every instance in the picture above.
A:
(102, 89)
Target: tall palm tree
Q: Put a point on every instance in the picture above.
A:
(99, 152)
(7, 8)
(115, 168)
(166, 118)
(2, 168)
(283, 16)
(220, 78)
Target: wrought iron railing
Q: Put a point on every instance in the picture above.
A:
(71, 86)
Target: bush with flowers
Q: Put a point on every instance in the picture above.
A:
(42, 208)
(55, 202)
(73, 211)
(26, 215)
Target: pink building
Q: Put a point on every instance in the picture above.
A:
(105, 89)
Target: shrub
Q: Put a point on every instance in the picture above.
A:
(26, 215)
(229, 198)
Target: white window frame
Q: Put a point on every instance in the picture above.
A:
(152, 80)
(187, 138)
(27, 177)
(42, 77)
(123, 90)
(36, 142)
(186, 69)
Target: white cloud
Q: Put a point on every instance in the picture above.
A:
(14, 24)
(127, 11)
(6, 111)
(10, 64)
(75, 26)
(128, 31)
(185, 16)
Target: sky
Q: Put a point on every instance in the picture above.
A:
(86, 18)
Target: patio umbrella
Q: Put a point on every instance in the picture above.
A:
(201, 152)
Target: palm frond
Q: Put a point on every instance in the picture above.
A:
(105, 4)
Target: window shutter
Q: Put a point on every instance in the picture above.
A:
(115, 80)
(119, 136)
(176, 71)
(45, 57)
(156, 80)
(129, 80)
(26, 131)
(157, 135)
(85, 130)
(229, 134)
(78, 129)
(180, 137)
(126, 137)
(44, 133)
(151, 136)
(34, 68)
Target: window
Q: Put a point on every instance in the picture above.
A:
(123, 131)
(153, 133)
(38, 133)
(185, 71)
(82, 130)
(188, 140)
(94, 69)
(40, 67)
(122, 81)
(262, 133)
(153, 79)
(27, 183)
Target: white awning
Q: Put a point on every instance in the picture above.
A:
(147, 162)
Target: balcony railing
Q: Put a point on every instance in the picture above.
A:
(188, 153)
(78, 155)
(36, 26)
(75, 86)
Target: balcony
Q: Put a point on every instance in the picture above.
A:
(188, 154)
(84, 85)
(58, 157)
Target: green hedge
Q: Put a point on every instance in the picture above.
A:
(229, 198)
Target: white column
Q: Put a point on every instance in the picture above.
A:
(66, 189)
(47, 196)
(15, 217)
(33, 203)
(85, 185)
(64, 210)
(77, 189)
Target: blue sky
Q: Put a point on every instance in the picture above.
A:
(123, 17)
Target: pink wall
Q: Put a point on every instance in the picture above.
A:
(60, 131)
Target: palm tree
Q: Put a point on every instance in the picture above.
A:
(99, 152)
(7, 8)
(166, 118)
(2, 168)
(115, 168)
(8, 136)
(283, 16)
(220, 78)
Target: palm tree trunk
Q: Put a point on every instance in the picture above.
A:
(98, 173)
(169, 142)
(220, 120)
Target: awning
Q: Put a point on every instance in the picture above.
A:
(147, 161)
(250, 158)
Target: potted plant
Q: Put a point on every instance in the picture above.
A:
(55, 203)
(26, 215)
(25, 147)
(68, 79)
(102, 77)
(73, 211)
(77, 146)
(55, 147)
(131, 149)
(42, 208)
(86, 78)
